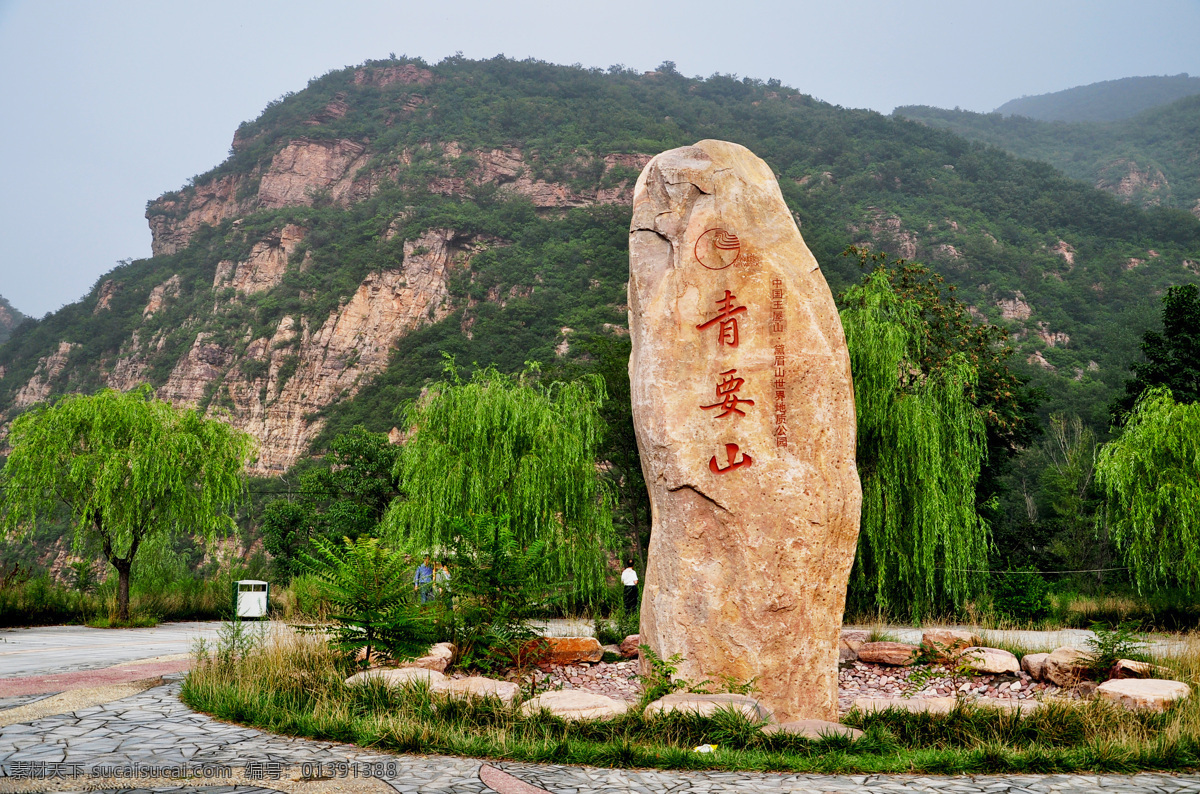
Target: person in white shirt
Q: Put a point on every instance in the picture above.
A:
(629, 578)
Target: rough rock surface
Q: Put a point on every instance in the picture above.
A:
(402, 677)
(990, 660)
(438, 658)
(851, 641)
(264, 267)
(1146, 694)
(568, 650)
(629, 645)
(707, 705)
(1128, 668)
(946, 643)
(941, 705)
(890, 653)
(574, 704)
(42, 381)
(1066, 666)
(480, 687)
(744, 413)
(1035, 665)
(813, 729)
(308, 369)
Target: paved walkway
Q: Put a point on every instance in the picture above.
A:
(41, 650)
(152, 740)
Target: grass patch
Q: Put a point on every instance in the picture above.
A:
(134, 622)
(293, 684)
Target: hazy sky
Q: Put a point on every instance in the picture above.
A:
(108, 104)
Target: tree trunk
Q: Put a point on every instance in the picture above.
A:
(123, 567)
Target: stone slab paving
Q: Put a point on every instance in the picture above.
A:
(154, 733)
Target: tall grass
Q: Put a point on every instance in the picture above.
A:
(43, 600)
(293, 684)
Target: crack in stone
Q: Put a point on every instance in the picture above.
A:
(699, 493)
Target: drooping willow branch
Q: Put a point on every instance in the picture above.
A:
(1150, 478)
(921, 444)
(510, 447)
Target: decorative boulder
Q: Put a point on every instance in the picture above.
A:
(480, 687)
(1035, 665)
(946, 643)
(575, 704)
(629, 646)
(1066, 667)
(744, 413)
(851, 640)
(1128, 668)
(402, 676)
(990, 660)
(896, 654)
(1008, 704)
(812, 729)
(439, 658)
(707, 705)
(916, 705)
(570, 650)
(1147, 694)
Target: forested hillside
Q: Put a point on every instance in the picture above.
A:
(1111, 100)
(1152, 159)
(10, 318)
(396, 211)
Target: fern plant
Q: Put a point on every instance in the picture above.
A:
(368, 586)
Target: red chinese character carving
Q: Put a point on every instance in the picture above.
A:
(728, 330)
(727, 395)
(731, 454)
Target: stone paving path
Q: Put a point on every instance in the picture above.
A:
(155, 732)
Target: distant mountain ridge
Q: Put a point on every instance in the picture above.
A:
(1111, 100)
(1152, 159)
(392, 212)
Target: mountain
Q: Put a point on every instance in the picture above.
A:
(393, 212)
(1110, 100)
(10, 318)
(1151, 159)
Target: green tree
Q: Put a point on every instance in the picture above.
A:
(1172, 357)
(608, 357)
(128, 467)
(369, 587)
(346, 495)
(509, 446)
(1068, 454)
(1150, 479)
(921, 444)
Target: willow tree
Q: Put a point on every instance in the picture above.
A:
(1150, 478)
(129, 467)
(921, 443)
(515, 449)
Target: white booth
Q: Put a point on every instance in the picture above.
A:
(250, 598)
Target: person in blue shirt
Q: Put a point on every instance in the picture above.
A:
(423, 581)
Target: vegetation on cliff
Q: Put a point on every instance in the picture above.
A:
(393, 212)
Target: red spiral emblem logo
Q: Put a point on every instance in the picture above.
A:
(717, 249)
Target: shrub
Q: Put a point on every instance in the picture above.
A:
(1020, 594)
(368, 585)
(493, 592)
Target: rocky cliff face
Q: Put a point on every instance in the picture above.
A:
(271, 385)
(1146, 186)
(338, 170)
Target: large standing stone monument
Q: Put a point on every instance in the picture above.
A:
(745, 420)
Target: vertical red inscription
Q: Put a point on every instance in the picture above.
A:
(727, 333)
(778, 326)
